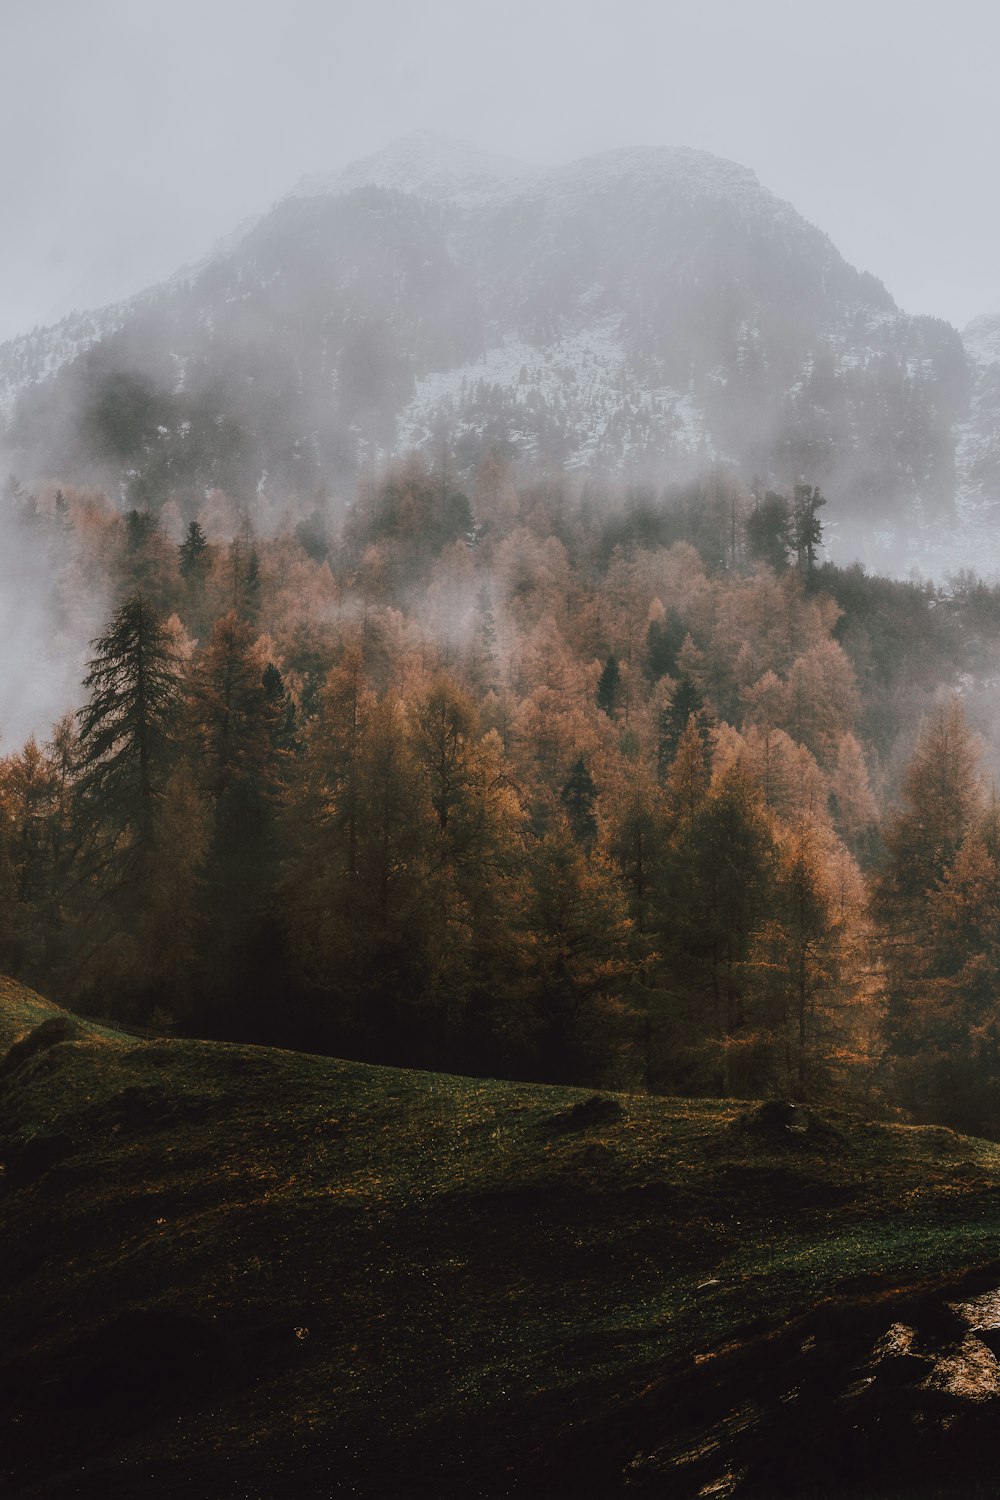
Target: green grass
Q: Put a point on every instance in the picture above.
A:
(230, 1270)
(21, 1010)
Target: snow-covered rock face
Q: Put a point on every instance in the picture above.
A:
(642, 312)
(607, 414)
(981, 338)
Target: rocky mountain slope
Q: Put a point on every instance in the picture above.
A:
(641, 313)
(979, 439)
(229, 1271)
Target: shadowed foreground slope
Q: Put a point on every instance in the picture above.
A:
(227, 1271)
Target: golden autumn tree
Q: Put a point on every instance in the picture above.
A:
(926, 889)
(804, 957)
(473, 825)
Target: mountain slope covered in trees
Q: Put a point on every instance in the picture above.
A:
(635, 314)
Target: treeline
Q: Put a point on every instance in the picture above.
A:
(518, 783)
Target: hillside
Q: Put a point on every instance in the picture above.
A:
(979, 450)
(637, 314)
(233, 1271)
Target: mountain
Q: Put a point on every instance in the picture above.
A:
(640, 314)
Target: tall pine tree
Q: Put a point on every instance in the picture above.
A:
(120, 952)
(126, 734)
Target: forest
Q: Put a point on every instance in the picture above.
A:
(528, 778)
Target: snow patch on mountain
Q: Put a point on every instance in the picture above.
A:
(35, 356)
(981, 339)
(582, 381)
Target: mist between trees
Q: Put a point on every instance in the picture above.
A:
(629, 790)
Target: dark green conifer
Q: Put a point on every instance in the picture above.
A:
(769, 531)
(126, 730)
(806, 527)
(607, 687)
(578, 797)
(192, 550)
(250, 601)
(664, 638)
(674, 720)
(280, 710)
(140, 525)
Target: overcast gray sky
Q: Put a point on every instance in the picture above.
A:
(135, 134)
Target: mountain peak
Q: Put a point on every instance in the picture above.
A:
(644, 311)
(443, 168)
(431, 165)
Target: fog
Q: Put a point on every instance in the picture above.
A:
(48, 615)
(143, 137)
(136, 136)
